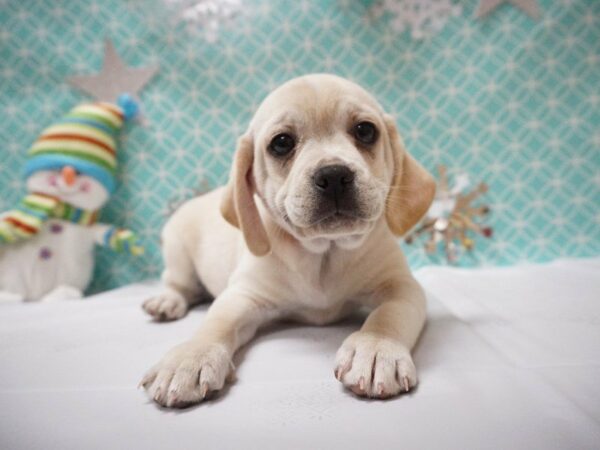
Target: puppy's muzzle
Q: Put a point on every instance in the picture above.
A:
(336, 191)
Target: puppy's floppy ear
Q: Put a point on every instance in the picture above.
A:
(238, 206)
(412, 189)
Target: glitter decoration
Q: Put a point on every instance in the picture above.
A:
(423, 18)
(206, 16)
(452, 218)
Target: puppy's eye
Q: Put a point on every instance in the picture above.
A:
(365, 133)
(282, 144)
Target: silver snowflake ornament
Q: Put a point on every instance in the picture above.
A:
(207, 17)
(422, 17)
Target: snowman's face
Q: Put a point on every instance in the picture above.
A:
(66, 184)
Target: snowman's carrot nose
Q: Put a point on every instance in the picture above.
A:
(68, 174)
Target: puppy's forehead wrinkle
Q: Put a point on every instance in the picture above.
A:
(284, 119)
(315, 101)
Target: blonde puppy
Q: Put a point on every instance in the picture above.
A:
(306, 229)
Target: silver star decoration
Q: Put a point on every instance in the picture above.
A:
(531, 7)
(114, 79)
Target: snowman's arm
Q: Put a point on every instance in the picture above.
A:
(100, 230)
(118, 239)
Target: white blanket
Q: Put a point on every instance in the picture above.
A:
(510, 359)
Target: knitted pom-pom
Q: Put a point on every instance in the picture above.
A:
(129, 106)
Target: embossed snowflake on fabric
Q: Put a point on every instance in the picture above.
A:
(422, 17)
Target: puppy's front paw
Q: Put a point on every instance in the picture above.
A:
(167, 306)
(187, 374)
(375, 366)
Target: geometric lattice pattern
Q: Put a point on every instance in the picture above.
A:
(510, 101)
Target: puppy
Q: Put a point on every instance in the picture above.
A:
(306, 230)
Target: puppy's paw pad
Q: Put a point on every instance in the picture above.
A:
(166, 307)
(375, 366)
(187, 375)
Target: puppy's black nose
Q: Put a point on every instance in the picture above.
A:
(334, 180)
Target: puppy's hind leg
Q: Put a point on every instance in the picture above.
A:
(182, 287)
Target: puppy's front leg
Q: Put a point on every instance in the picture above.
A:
(182, 289)
(188, 372)
(376, 361)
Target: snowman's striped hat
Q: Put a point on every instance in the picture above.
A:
(85, 138)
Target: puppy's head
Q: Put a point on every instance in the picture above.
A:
(326, 164)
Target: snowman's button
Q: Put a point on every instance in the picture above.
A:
(45, 253)
(56, 228)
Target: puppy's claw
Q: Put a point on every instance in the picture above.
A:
(361, 384)
(340, 371)
(145, 380)
(172, 400)
(204, 390)
(380, 389)
(406, 383)
(157, 395)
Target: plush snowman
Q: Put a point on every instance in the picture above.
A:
(47, 242)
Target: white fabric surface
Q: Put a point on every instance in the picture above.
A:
(509, 360)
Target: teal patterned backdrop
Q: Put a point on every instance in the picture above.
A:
(509, 100)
